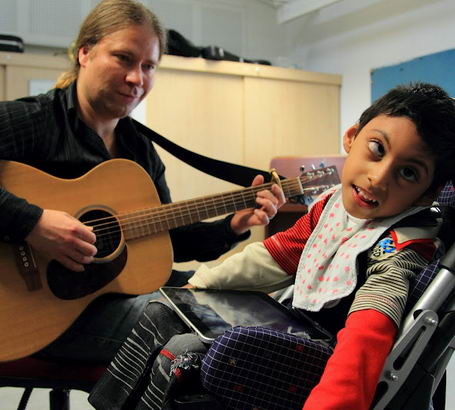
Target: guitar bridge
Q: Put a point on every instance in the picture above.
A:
(27, 266)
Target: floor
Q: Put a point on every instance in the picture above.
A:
(39, 400)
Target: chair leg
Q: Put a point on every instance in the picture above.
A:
(24, 399)
(59, 399)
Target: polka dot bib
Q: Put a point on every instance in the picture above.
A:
(327, 269)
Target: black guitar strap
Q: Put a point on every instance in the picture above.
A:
(237, 174)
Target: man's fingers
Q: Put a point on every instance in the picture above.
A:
(262, 217)
(85, 248)
(268, 196)
(86, 234)
(258, 180)
(267, 206)
(279, 194)
(75, 257)
(79, 257)
(70, 264)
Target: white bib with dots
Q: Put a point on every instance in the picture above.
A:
(327, 269)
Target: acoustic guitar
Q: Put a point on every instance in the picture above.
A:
(40, 298)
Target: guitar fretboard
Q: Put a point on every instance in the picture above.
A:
(146, 222)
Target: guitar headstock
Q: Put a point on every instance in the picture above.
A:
(315, 182)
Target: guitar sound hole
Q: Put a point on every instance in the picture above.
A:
(106, 229)
(66, 284)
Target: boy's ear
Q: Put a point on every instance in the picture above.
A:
(349, 136)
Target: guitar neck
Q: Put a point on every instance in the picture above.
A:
(150, 221)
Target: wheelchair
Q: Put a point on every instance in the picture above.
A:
(259, 368)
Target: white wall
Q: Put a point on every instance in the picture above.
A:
(247, 28)
(351, 37)
(378, 34)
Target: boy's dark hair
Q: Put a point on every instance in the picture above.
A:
(432, 111)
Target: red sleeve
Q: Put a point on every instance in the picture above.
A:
(352, 372)
(286, 247)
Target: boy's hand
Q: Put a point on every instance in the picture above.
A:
(268, 204)
(61, 237)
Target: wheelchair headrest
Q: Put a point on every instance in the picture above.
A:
(447, 195)
(445, 199)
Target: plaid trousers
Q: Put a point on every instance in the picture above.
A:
(259, 368)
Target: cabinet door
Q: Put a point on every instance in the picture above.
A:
(203, 113)
(289, 118)
(20, 81)
(2, 83)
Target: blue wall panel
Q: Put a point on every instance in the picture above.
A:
(437, 68)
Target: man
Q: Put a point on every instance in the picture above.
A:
(82, 123)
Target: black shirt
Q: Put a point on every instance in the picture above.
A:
(45, 131)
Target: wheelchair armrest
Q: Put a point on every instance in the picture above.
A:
(404, 355)
(448, 261)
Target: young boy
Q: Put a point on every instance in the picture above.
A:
(352, 256)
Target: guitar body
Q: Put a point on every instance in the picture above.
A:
(35, 311)
(39, 298)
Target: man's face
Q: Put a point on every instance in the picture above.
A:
(117, 73)
(388, 168)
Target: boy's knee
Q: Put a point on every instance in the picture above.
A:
(183, 352)
(184, 343)
(156, 309)
(163, 320)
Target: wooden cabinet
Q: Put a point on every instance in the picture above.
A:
(242, 113)
(20, 74)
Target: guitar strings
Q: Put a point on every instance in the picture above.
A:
(146, 229)
(110, 225)
(171, 212)
(140, 215)
(132, 230)
(167, 207)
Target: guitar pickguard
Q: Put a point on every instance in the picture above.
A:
(67, 285)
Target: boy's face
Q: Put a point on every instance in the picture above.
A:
(388, 168)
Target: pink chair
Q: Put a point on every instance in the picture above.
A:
(291, 167)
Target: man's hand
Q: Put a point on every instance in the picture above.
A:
(61, 237)
(268, 204)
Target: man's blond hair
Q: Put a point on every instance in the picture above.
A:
(108, 17)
